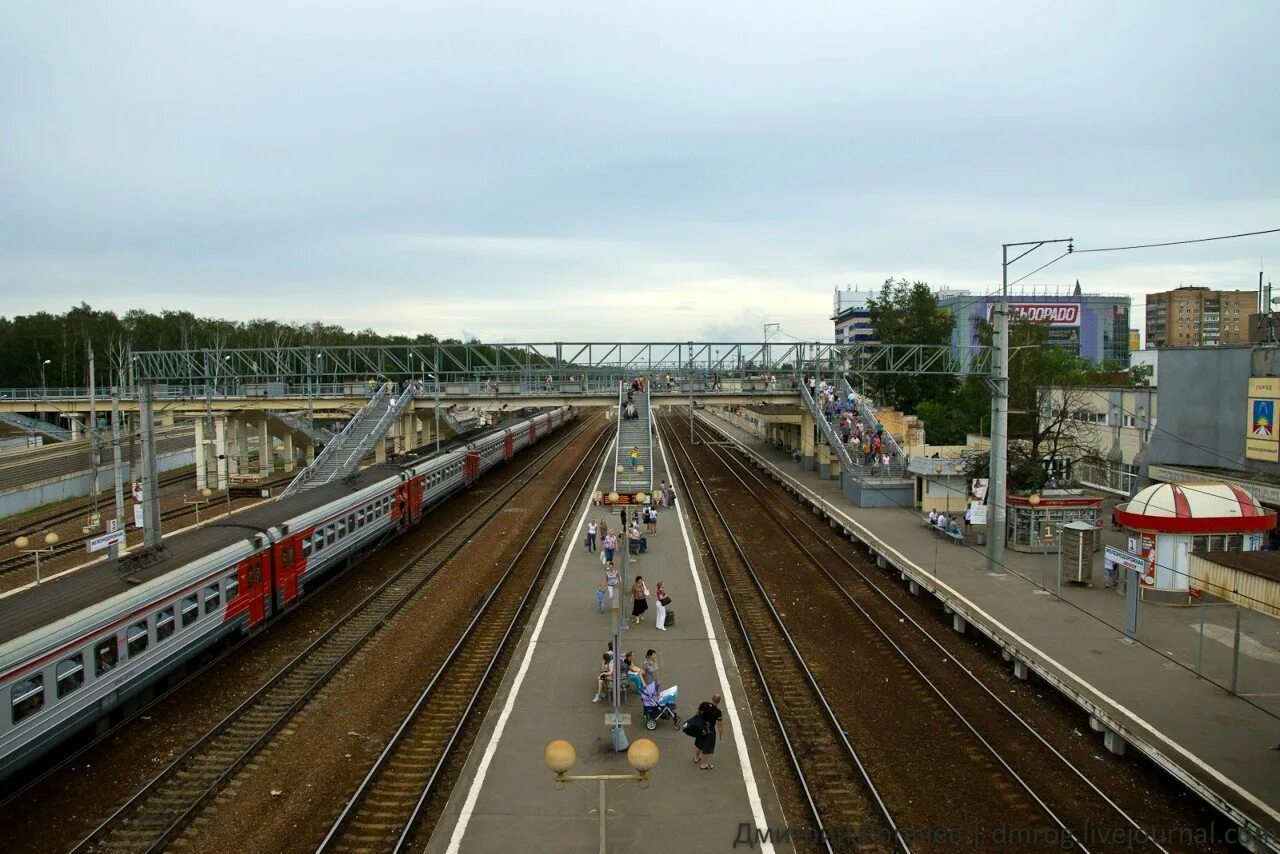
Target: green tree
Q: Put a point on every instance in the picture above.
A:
(908, 313)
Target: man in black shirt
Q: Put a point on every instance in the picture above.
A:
(713, 722)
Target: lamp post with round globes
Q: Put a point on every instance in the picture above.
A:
(23, 544)
(202, 498)
(560, 756)
(1034, 500)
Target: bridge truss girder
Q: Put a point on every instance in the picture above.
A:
(359, 363)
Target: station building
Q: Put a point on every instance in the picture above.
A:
(1096, 326)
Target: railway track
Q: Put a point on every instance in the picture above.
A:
(157, 813)
(383, 812)
(845, 805)
(79, 510)
(22, 561)
(1080, 808)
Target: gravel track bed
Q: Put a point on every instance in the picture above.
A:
(308, 771)
(817, 615)
(85, 794)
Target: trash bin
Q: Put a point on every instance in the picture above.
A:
(980, 538)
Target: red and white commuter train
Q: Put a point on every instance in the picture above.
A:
(81, 645)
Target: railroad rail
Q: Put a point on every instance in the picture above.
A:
(836, 785)
(385, 808)
(1009, 737)
(161, 809)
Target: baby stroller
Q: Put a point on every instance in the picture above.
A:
(658, 706)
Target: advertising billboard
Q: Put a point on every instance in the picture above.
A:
(1052, 313)
(1261, 441)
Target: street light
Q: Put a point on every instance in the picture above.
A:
(50, 540)
(560, 756)
(1034, 500)
(203, 498)
(43, 387)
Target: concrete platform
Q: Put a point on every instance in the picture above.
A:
(506, 799)
(1144, 695)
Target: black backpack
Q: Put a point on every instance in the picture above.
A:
(694, 727)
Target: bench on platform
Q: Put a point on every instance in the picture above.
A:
(955, 536)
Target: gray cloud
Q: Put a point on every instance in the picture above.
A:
(567, 171)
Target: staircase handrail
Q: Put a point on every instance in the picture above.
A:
(617, 441)
(332, 447)
(648, 431)
(316, 434)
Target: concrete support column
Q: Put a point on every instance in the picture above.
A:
(220, 449)
(824, 461)
(914, 588)
(1114, 742)
(76, 429)
(957, 622)
(243, 429)
(201, 460)
(287, 449)
(266, 454)
(165, 419)
(311, 453)
(1020, 670)
(807, 455)
(380, 451)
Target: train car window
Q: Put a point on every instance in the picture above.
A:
(70, 674)
(136, 638)
(190, 610)
(342, 528)
(27, 697)
(306, 548)
(105, 655)
(212, 599)
(351, 522)
(166, 625)
(331, 534)
(231, 585)
(360, 518)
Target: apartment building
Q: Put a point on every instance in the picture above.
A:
(1199, 317)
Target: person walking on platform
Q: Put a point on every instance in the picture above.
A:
(610, 544)
(591, 537)
(713, 723)
(622, 515)
(634, 456)
(968, 521)
(671, 496)
(661, 600)
(611, 582)
(639, 599)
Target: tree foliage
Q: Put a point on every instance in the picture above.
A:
(909, 313)
(26, 341)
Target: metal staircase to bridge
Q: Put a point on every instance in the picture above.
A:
(34, 425)
(634, 433)
(341, 457)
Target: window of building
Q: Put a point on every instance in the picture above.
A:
(70, 674)
(27, 697)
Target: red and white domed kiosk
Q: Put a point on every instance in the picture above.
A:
(1171, 520)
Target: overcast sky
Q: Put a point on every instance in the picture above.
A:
(542, 171)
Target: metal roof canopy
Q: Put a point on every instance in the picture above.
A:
(415, 361)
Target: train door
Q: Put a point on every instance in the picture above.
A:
(400, 505)
(533, 432)
(508, 446)
(253, 596)
(417, 486)
(471, 468)
(290, 564)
